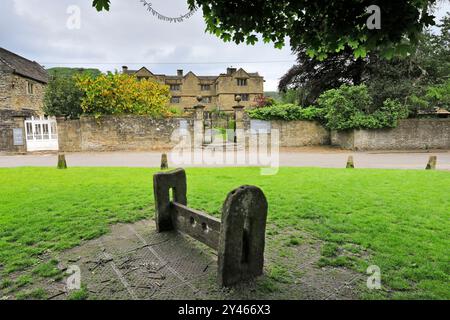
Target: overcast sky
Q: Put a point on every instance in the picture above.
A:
(129, 35)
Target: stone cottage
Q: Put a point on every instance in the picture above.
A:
(218, 92)
(22, 87)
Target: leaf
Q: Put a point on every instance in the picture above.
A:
(101, 4)
(226, 37)
(311, 53)
(279, 44)
(360, 52)
(340, 47)
(353, 44)
(252, 39)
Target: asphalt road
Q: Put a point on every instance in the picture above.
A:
(291, 158)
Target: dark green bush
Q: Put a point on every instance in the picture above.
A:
(348, 107)
(287, 112)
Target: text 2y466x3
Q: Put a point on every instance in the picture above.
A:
(246, 309)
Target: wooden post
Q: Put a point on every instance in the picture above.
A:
(431, 163)
(164, 162)
(62, 164)
(350, 163)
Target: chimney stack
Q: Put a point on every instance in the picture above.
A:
(230, 71)
(124, 69)
(180, 72)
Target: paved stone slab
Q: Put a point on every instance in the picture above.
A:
(133, 261)
(136, 262)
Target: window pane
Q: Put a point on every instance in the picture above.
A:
(175, 100)
(46, 134)
(38, 132)
(29, 131)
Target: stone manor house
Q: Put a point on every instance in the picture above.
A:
(218, 92)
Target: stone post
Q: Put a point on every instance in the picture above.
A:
(431, 165)
(350, 163)
(60, 122)
(62, 164)
(164, 162)
(239, 121)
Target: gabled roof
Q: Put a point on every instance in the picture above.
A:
(24, 67)
(190, 73)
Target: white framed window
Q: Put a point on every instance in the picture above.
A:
(45, 131)
(38, 131)
(205, 87)
(29, 131)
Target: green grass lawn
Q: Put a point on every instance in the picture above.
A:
(400, 217)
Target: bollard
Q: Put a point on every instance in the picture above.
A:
(239, 237)
(62, 164)
(350, 163)
(431, 165)
(164, 162)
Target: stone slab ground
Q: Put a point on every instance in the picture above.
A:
(133, 261)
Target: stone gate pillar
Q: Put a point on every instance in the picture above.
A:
(239, 120)
(199, 128)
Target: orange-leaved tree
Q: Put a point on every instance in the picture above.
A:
(123, 94)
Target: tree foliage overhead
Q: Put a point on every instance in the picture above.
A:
(322, 27)
(397, 78)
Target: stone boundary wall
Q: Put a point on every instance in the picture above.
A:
(118, 133)
(296, 133)
(9, 120)
(140, 133)
(410, 134)
(301, 133)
